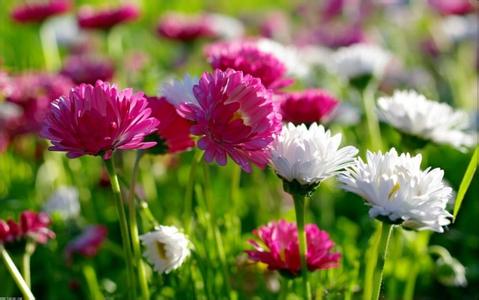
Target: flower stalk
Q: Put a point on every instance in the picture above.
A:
(386, 230)
(29, 249)
(17, 277)
(92, 282)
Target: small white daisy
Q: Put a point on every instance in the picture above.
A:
(359, 60)
(179, 91)
(64, 201)
(396, 188)
(309, 155)
(413, 114)
(166, 248)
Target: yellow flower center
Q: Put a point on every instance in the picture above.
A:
(160, 247)
(394, 190)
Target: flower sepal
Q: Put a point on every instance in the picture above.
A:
(294, 187)
(361, 82)
(387, 220)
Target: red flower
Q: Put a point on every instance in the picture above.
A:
(89, 18)
(280, 249)
(39, 11)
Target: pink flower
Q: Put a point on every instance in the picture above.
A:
(233, 114)
(97, 120)
(173, 130)
(89, 18)
(338, 36)
(85, 69)
(452, 7)
(87, 243)
(245, 56)
(279, 248)
(6, 85)
(186, 28)
(39, 11)
(307, 106)
(33, 225)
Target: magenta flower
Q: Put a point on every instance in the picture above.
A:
(185, 28)
(97, 120)
(39, 11)
(308, 106)
(338, 36)
(452, 7)
(279, 248)
(88, 18)
(85, 69)
(245, 56)
(87, 243)
(33, 225)
(233, 114)
(173, 130)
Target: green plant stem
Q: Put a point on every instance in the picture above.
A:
(92, 282)
(188, 199)
(17, 277)
(125, 237)
(29, 249)
(411, 282)
(299, 208)
(235, 183)
(371, 260)
(386, 230)
(371, 118)
(50, 50)
(135, 239)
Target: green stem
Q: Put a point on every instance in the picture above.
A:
(371, 260)
(188, 200)
(92, 282)
(235, 184)
(411, 283)
(29, 249)
(125, 237)
(299, 208)
(371, 118)
(135, 239)
(49, 48)
(17, 277)
(386, 230)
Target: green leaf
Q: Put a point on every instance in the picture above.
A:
(466, 181)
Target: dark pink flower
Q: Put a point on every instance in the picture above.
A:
(33, 225)
(452, 7)
(89, 18)
(173, 129)
(245, 56)
(338, 36)
(279, 248)
(87, 243)
(233, 113)
(98, 119)
(185, 28)
(38, 11)
(86, 69)
(308, 106)
(332, 8)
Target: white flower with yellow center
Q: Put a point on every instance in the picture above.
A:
(166, 248)
(397, 189)
(413, 114)
(309, 155)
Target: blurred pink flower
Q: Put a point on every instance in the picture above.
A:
(337, 36)
(33, 225)
(185, 28)
(86, 69)
(245, 56)
(452, 7)
(173, 129)
(279, 249)
(6, 85)
(89, 18)
(308, 106)
(38, 11)
(87, 243)
(98, 119)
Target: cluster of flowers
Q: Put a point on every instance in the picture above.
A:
(31, 225)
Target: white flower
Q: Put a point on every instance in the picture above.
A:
(166, 248)
(396, 188)
(65, 202)
(309, 155)
(288, 55)
(458, 28)
(9, 111)
(225, 26)
(179, 91)
(412, 113)
(358, 60)
(65, 30)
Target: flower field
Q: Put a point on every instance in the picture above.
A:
(199, 149)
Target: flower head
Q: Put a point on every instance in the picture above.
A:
(233, 114)
(88, 18)
(309, 155)
(452, 7)
(307, 106)
(413, 114)
(84, 69)
(31, 224)
(173, 130)
(64, 202)
(279, 248)
(98, 119)
(39, 11)
(88, 242)
(166, 248)
(399, 191)
(180, 27)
